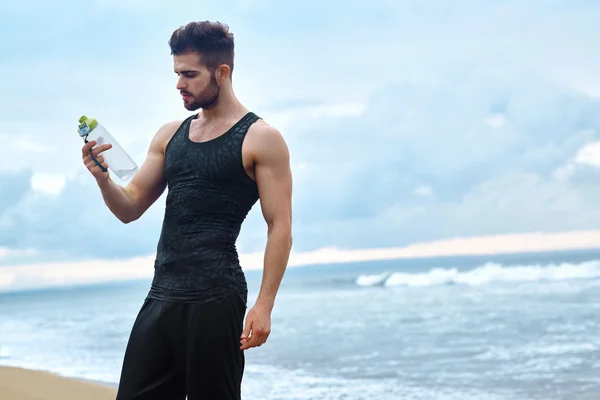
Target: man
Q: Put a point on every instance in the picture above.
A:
(189, 337)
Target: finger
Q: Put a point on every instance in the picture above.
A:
(93, 167)
(263, 338)
(85, 149)
(258, 336)
(246, 344)
(100, 149)
(90, 164)
(250, 342)
(251, 338)
(247, 329)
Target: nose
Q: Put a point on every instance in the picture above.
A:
(181, 83)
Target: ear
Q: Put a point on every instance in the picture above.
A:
(222, 73)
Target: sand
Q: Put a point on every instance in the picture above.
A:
(23, 384)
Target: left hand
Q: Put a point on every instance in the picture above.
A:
(258, 327)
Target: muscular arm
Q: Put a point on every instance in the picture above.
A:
(274, 180)
(128, 203)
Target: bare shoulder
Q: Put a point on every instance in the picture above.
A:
(265, 141)
(164, 135)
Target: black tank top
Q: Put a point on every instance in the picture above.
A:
(209, 196)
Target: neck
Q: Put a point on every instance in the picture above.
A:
(226, 105)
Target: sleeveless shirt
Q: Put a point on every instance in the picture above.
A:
(209, 196)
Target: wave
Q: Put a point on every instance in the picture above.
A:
(485, 274)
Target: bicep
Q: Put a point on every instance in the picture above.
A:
(148, 184)
(274, 180)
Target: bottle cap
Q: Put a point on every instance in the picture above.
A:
(86, 125)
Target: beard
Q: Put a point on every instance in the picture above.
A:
(206, 99)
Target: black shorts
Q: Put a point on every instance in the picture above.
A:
(185, 349)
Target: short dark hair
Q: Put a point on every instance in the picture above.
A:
(212, 40)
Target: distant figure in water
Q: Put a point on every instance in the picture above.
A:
(189, 337)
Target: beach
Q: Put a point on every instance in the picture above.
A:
(24, 384)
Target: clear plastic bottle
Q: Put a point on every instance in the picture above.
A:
(116, 157)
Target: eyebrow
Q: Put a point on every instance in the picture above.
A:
(187, 71)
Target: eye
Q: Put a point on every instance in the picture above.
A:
(187, 74)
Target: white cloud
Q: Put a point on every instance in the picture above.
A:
(496, 120)
(585, 160)
(6, 279)
(589, 155)
(7, 276)
(423, 190)
(6, 252)
(51, 184)
(285, 119)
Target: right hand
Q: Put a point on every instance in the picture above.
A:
(89, 162)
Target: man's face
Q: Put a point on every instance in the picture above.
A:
(197, 85)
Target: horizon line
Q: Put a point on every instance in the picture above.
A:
(40, 275)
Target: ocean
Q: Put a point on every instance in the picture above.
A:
(494, 328)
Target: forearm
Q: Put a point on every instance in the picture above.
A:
(119, 201)
(277, 252)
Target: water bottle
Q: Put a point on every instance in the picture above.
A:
(116, 157)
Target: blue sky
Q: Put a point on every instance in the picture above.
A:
(407, 121)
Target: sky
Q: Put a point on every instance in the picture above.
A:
(407, 121)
